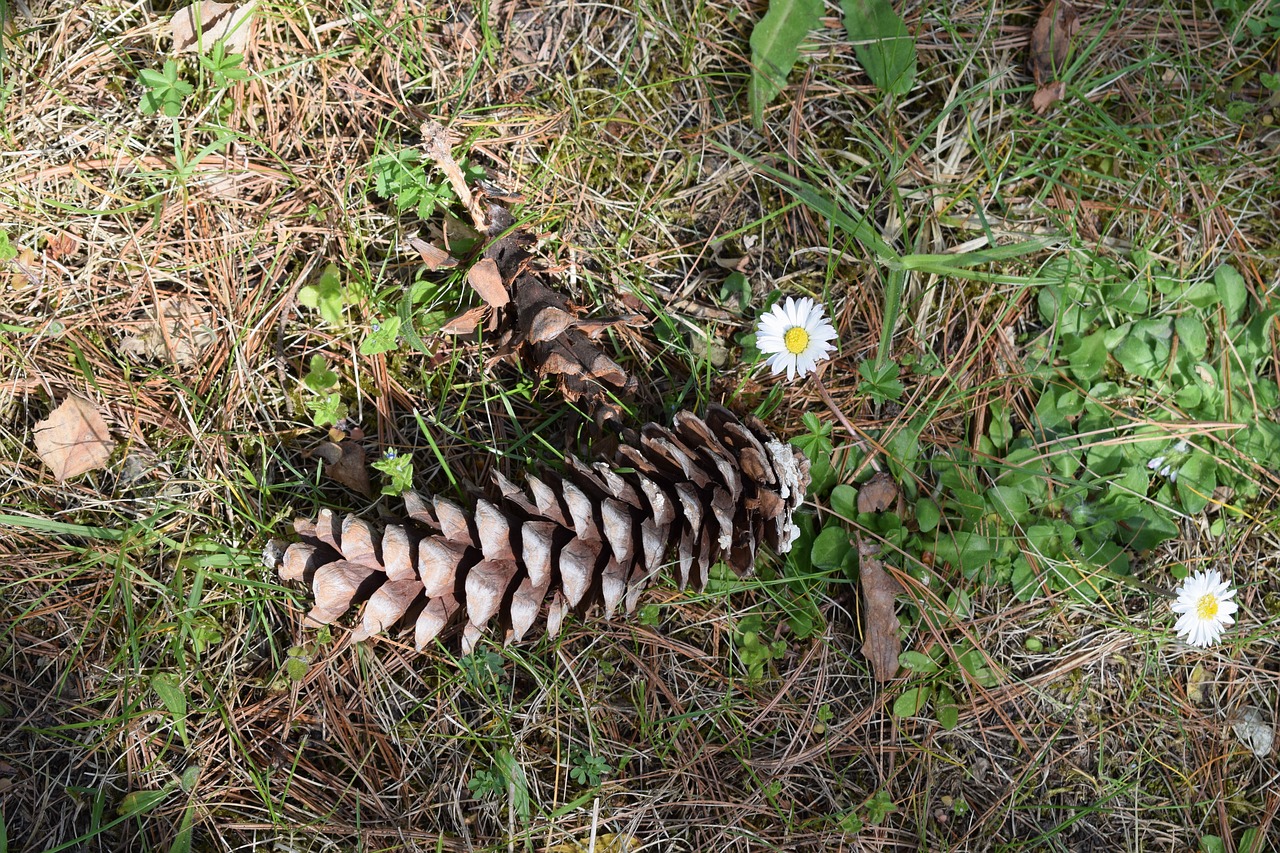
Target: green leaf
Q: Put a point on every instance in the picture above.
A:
(830, 548)
(927, 515)
(1197, 478)
(383, 338)
(880, 381)
(1000, 429)
(910, 702)
(327, 410)
(1212, 844)
(7, 252)
(397, 471)
(775, 47)
(1088, 358)
(325, 295)
(138, 802)
(319, 377)
(1231, 290)
(844, 501)
(153, 79)
(1192, 336)
(966, 550)
(170, 691)
(882, 44)
(918, 662)
(295, 669)
(946, 709)
(182, 839)
(879, 807)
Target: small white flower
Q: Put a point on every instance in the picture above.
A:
(1204, 602)
(1167, 466)
(795, 336)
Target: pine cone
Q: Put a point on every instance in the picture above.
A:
(704, 492)
(539, 323)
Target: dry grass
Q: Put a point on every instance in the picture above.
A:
(612, 122)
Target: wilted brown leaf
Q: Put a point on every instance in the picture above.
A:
(436, 144)
(487, 281)
(183, 336)
(73, 439)
(1050, 45)
(198, 26)
(1048, 95)
(878, 494)
(345, 464)
(432, 255)
(61, 245)
(466, 322)
(881, 645)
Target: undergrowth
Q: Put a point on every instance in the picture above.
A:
(1056, 338)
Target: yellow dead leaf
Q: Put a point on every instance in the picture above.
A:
(73, 439)
(198, 26)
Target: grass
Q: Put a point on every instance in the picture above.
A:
(158, 690)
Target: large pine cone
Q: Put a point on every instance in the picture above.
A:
(708, 491)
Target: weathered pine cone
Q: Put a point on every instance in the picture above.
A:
(704, 492)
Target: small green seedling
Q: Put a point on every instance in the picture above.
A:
(165, 90)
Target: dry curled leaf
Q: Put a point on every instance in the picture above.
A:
(181, 338)
(466, 322)
(432, 255)
(198, 26)
(1050, 45)
(345, 464)
(73, 439)
(487, 281)
(881, 645)
(879, 494)
(1254, 731)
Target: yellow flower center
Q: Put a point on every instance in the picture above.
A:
(1207, 606)
(796, 340)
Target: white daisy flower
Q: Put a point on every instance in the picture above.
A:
(795, 336)
(1204, 600)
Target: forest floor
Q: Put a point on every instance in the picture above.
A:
(158, 688)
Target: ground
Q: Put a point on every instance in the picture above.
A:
(158, 689)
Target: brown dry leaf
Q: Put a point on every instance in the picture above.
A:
(61, 245)
(881, 645)
(466, 322)
(878, 494)
(432, 255)
(436, 143)
(345, 464)
(487, 281)
(198, 26)
(73, 439)
(181, 339)
(1050, 45)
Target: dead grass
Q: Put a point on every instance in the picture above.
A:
(612, 123)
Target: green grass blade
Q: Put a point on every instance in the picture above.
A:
(775, 47)
(880, 39)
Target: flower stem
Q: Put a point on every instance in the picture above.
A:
(861, 440)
